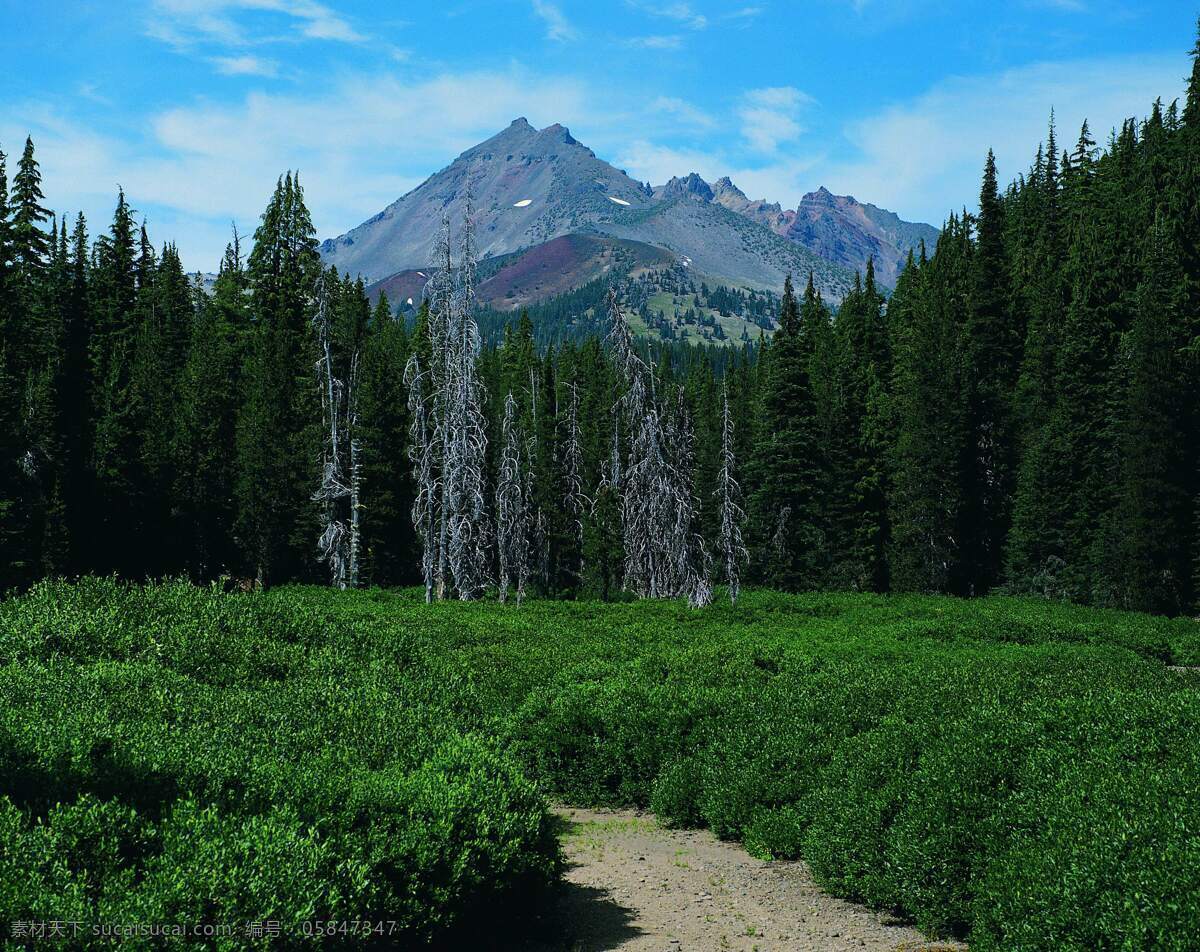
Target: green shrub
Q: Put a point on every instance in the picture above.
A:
(1016, 772)
(150, 772)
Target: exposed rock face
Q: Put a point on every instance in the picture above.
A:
(690, 186)
(528, 186)
(837, 227)
(848, 232)
(531, 186)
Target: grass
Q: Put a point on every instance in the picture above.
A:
(664, 303)
(1018, 773)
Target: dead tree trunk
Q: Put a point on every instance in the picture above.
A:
(664, 555)
(333, 491)
(421, 451)
(512, 508)
(449, 432)
(730, 544)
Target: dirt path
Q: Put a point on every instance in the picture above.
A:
(636, 887)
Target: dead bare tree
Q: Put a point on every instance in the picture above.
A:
(512, 508)
(540, 531)
(449, 431)
(441, 310)
(466, 461)
(337, 494)
(689, 554)
(422, 451)
(574, 499)
(779, 536)
(664, 555)
(730, 544)
(355, 472)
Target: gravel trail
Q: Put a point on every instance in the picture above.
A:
(636, 887)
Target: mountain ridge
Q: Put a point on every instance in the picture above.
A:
(531, 186)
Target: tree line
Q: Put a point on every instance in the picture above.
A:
(1019, 414)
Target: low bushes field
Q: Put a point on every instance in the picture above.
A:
(1020, 774)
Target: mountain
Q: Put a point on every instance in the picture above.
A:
(534, 274)
(846, 231)
(530, 187)
(837, 227)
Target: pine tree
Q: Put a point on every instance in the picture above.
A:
(44, 411)
(1064, 482)
(15, 556)
(927, 502)
(76, 397)
(600, 438)
(115, 532)
(857, 480)
(165, 317)
(30, 243)
(6, 248)
(786, 519)
(390, 555)
(1150, 553)
(550, 527)
(210, 391)
(991, 356)
(277, 438)
(15, 561)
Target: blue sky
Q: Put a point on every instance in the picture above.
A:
(195, 106)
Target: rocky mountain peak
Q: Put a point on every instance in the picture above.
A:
(691, 185)
(724, 186)
(822, 196)
(531, 187)
(558, 133)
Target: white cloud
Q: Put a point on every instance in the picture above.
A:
(744, 15)
(684, 111)
(184, 23)
(783, 180)
(669, 42)
(924, 157)
(91, 92)
(245, 66)
(331, 28)
(655, 163)
(359, 146)
(680, 12)
(558, 28)
(769, 117)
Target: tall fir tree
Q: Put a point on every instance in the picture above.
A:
(787, 524)
(991, 354)
(390, 550)
(114, 533)
(859, 471)
(1148, 548)
(930, 422)
(13, 531)
(31, 245)
(210, 391)
(277, 434)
